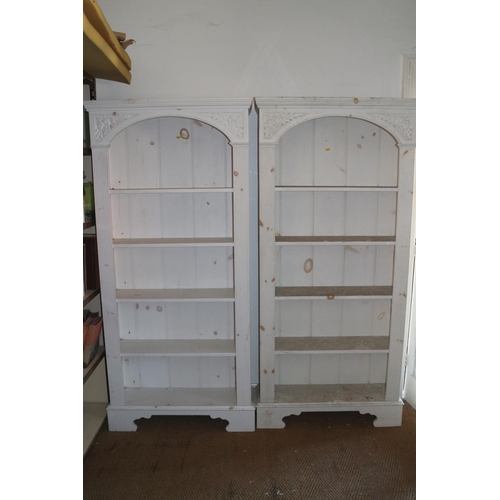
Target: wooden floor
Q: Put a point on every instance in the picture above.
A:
(317, 456)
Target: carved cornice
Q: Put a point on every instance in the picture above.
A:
(105, 123)
(232, 121)
(402, 123)
(274, 120)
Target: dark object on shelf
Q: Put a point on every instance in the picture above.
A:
(91, 332)
(87, 313)
(86, 130)
(91, 261)
(88, 201)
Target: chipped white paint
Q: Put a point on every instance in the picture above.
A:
(335, 214)
(172, 202)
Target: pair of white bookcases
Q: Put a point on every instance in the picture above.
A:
(171, 184)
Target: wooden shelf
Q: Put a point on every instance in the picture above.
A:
(335, 240)
(176, 295)
(333, 292)
(332, 345)
(89, 295)
(173, 242)
(172, 190)
(195, 347)
(336, 188)
(94, 415)
(180, 396)
(87, 151)
(86, 225)
(329, 393)
(87, 372)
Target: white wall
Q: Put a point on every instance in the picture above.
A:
(250, 48)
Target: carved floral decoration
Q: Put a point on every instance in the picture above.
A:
(105, 123)
(230, 121)
(273, 121)
(402, 123)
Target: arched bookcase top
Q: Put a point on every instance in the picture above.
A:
(109, 118)
(278, 115)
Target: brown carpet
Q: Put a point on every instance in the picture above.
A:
(317, 456)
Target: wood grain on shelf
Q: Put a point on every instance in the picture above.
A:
(176, 295)
(176, 347)
(336, 188)
(309, 345)
(172, 242)
(331, 292)
(172, 190)
(339, 240)
(329, 393)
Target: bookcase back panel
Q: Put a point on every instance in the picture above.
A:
(330, 369)
(172, 215)
(335, 213)
(186, 321)
(179, 372)
(158, 268)
(337, 151)
(332, 318)
(170, 153)
(339, 265)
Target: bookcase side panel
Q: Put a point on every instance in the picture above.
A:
(241, 262)
(401, 289)
(107, 275)
(267, 169)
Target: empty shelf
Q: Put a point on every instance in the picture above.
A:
(180, 396)
(176, 295)
(326, 393)
(334, 345)
(333, 292)
(159, 347)
(335, 240)
(336, 188)
(173, 242)
(171, 190)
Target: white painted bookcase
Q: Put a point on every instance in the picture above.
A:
(335, 191)
(172, 209)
